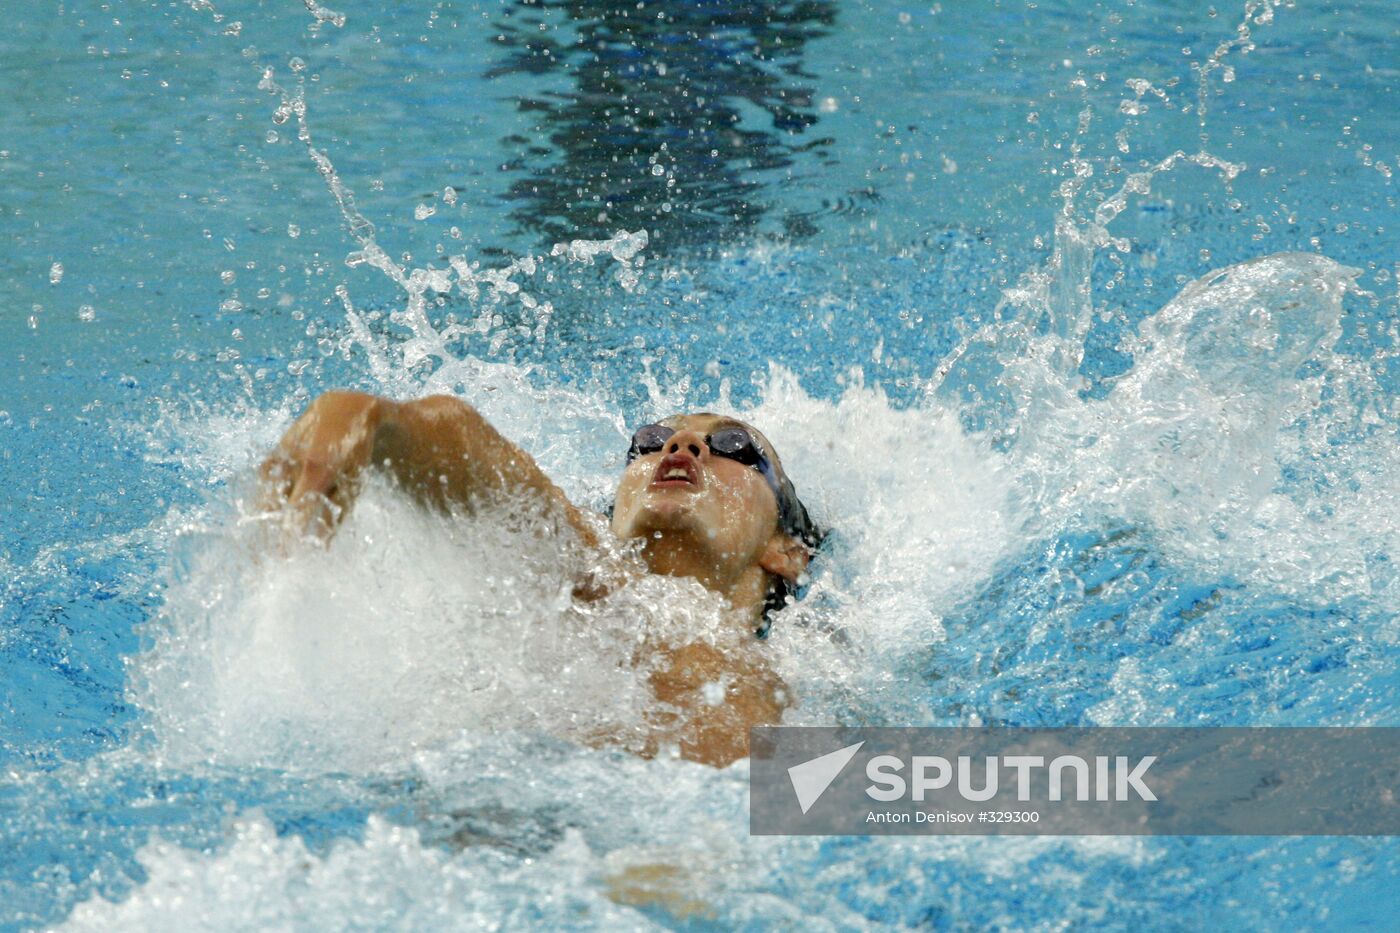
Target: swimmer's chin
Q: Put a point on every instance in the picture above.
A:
(663, 513)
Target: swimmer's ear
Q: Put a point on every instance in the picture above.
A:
(784, 556)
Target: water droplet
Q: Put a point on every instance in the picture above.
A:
(87, 313)
(56, 273)
(293, 231)
(424, 211)
(271, 136)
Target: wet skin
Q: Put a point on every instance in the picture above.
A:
(698, 515)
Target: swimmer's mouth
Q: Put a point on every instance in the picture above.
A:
(677, 470)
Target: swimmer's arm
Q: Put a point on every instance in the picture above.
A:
(439, 449)
(446, 454)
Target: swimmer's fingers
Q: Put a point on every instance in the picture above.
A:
(307, 499)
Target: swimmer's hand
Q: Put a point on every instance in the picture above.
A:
(314, 474)
(439, 449)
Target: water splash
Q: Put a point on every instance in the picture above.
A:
(261, 880)
(353, 657)
(1059, 295)
(619, 859)
(324, 15)
(1256, 13)
(392, 360)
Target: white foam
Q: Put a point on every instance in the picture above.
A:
(922, 513)
(390, 881)
(690, 863)
(408, 629)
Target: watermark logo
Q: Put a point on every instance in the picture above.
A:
(1202, 781)
(811, 778)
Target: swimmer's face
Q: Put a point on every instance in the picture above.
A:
(726, 507)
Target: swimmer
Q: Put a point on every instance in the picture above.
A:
(705, 494)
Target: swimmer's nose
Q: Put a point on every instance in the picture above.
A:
(688, 442)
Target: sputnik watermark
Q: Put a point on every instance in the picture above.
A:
(1075, 781)
(1113, 779)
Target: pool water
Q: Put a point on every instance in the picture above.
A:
(1076, 324)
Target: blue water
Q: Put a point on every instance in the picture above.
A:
(1087, 460)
